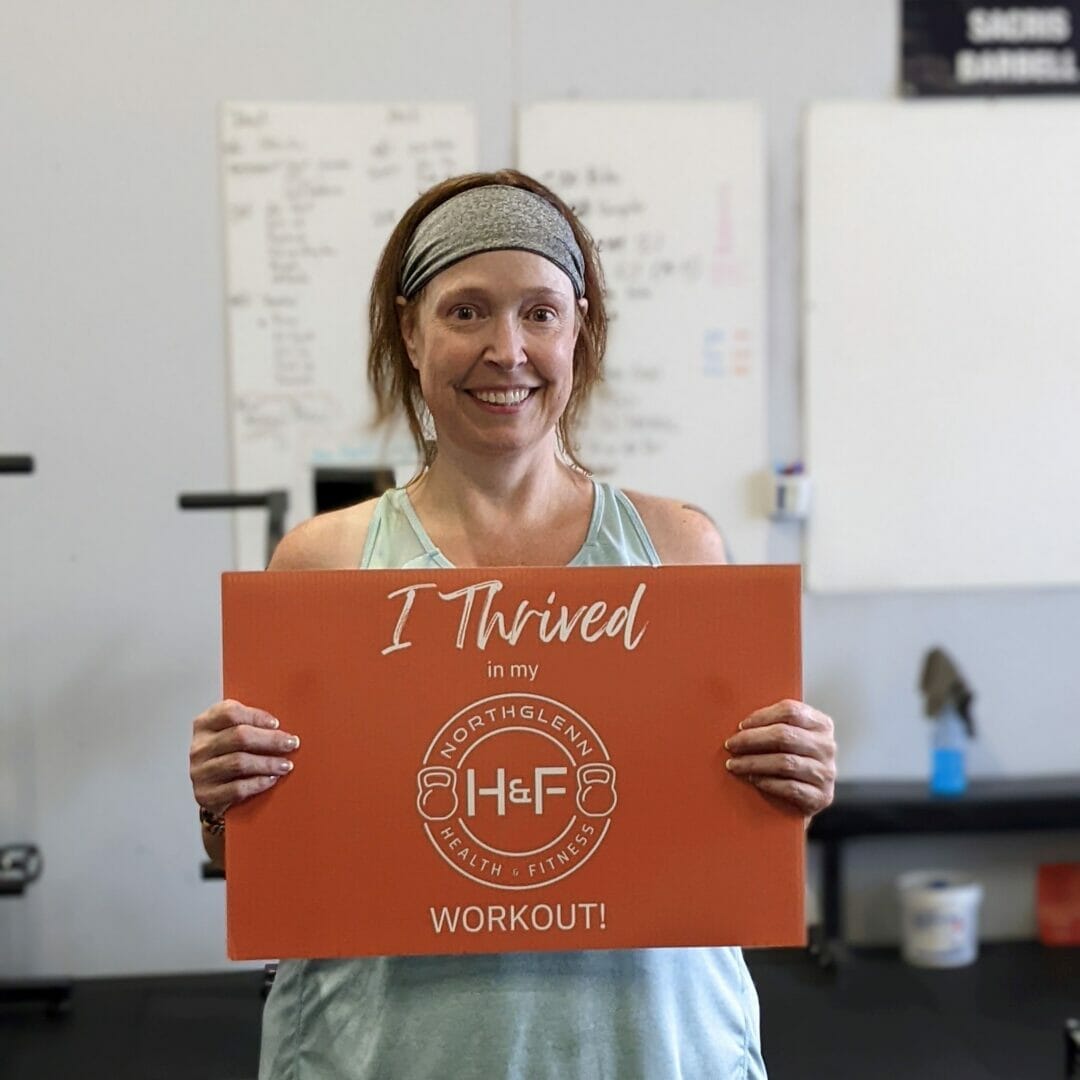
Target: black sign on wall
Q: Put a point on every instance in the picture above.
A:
(967, 47)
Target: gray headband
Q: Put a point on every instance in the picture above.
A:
(493, 218)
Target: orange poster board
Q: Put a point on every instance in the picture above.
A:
(511, 759)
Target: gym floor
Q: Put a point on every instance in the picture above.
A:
(868, 1016)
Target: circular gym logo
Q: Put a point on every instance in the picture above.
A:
(516, 791)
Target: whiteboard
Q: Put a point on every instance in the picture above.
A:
(942, 321)
(675, 195)
(311, 193)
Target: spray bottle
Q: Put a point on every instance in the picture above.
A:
(948, 705)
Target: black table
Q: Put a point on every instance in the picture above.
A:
(891, 807)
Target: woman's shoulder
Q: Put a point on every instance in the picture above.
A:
(330, 541)
(681, 532)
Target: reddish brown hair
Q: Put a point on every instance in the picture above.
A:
(393, 378)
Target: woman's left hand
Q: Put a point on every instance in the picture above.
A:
(787, 751)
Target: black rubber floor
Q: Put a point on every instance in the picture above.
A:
(870, 1017)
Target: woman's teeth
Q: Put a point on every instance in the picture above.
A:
(502, 397)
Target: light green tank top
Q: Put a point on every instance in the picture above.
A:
(396, 538)
(642, 1014)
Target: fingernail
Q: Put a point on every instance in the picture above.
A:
(742, 724)
(285, 766)
(292, 742)
(275, 722)
(727, 744)
(730, 763)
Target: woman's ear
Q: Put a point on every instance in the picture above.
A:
(580, 313)
(406, 313)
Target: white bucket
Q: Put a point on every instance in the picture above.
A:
(939, 915)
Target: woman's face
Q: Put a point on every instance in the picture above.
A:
(492, 338)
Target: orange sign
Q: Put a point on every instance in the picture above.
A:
(511, 759)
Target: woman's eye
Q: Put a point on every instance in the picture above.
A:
(464, 313)
(544, 315)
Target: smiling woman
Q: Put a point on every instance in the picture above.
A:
(488, 332)
(492, 342)
(459, 218)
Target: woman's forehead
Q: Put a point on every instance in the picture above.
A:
(503, 272)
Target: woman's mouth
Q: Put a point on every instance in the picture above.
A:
(513, 396)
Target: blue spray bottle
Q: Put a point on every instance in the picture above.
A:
(948, 705)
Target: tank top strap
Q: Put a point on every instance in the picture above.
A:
(396, 538)
(617, 535)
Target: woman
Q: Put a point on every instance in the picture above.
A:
(488, 330)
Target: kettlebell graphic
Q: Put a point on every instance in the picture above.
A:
(437, 799)
(596, 789)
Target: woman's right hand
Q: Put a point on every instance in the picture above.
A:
(236, 753)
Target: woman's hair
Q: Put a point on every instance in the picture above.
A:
(395, 381)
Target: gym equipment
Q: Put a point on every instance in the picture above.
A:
(21, 865)
(275, 501)
(16, 463)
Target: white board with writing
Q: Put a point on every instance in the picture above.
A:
(942, 344)
(675, 196)
(311, 193)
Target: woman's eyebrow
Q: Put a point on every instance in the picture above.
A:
(544, 292)
(460, 293)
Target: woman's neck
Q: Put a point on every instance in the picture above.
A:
(504, 512)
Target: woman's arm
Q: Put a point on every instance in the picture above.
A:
(683, 534)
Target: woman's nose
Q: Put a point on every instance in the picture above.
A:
(506, 345)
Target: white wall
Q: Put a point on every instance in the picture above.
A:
(112, 374)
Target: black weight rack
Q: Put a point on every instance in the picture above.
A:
(22, 864)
